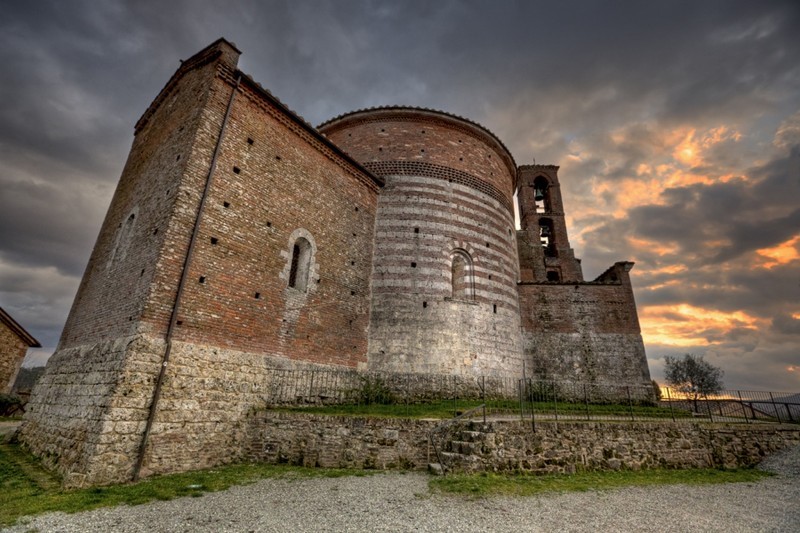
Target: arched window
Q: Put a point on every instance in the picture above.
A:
(123, 239)
(541, 194)
(548, 237)
(301, 261)
(461, 276)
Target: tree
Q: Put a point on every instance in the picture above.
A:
(656, 390)
(692, 376)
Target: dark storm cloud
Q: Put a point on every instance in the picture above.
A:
(746, 216)
(595, 86)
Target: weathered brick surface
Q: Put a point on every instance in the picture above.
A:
(584, 331)
(12, 352)
(402, 226)
(275, 180)
(507, 446)
(449, 185)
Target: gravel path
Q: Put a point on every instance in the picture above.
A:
(401, 502)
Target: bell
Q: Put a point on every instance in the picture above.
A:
(538, 194)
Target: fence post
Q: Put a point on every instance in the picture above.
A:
(586, 401)
(555, 400)
(669, 401)
(630, 402)
(483, 397)
(533, 416)
(741, 402)
(520, 385)
(775, 407)
(708, 408)
(455, 413)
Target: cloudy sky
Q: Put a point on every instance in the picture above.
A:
(676, 125)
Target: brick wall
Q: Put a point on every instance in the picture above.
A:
(12, 352)
(584, 331)
(448, 194)
(276, 183)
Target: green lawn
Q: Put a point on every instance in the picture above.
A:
(26, 488)
(529, 485)
(447, 409)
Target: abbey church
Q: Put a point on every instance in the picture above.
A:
(242, 239)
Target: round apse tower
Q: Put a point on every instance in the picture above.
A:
(444, 295)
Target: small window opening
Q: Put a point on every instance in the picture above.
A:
(250, 141)
(541, 194)
(416, 230)
(202, 279)
(257, 295)
(214, 240)
(461, 275)
(352, 293)
(352, 263)
(494, 308)
(226, 204)
(301, 263)
(155, 231)
(236, 170)
(413, 264)
(277, 157)
(179, 322)
(547, 237)
(424, 305)
(178, 158)
(553, 275)
(141, 273)
(269, 224)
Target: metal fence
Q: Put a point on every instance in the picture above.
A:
(735, 405)
(527, 399)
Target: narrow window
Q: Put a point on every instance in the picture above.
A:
(301, 261)
(461, 275)
(541, 194)
(547, 236)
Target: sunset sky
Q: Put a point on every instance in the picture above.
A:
(676, 125)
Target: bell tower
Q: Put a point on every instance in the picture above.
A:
(544, 250)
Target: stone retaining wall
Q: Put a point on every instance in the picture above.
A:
(333, 441)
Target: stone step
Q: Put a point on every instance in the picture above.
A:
(472, 436)
(457, 459)
(464, 447)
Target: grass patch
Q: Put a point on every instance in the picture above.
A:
(448, 409)
(26, 488)
(487, 484)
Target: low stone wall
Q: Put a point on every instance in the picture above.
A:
(511, 446)
(339, 441)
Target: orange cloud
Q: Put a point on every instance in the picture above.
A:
(661, 248)
(786, 252)
(689, 150)
(685, 325)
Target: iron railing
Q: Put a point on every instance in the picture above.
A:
(528, 399)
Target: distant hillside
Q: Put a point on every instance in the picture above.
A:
(27, 378)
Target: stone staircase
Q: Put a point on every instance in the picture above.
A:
(463, 448)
